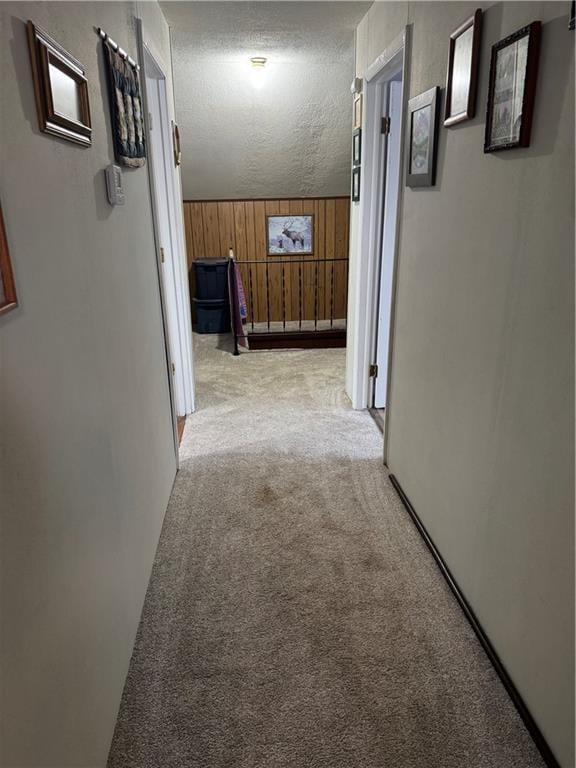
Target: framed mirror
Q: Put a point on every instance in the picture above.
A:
(61, 89)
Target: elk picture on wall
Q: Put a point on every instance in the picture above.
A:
(290, 235)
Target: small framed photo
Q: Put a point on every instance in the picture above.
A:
(8, 298)
(357, 111)
(356, 184)
(288, 235)
(423, 124)
(61, 89)
(462, 77)
(511, 89)
(357, 146)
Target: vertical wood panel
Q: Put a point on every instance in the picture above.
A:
(213, 226)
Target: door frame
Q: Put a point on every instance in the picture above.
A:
(182, 390)
(395, 58)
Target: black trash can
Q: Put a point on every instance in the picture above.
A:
(211, 316)
(211, 279)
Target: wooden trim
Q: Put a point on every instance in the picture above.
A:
(264, 199)
(474, 21)
(335, 338)
(6, 275)
(517, 700)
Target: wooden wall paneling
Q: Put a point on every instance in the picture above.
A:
(308, 271)
(260, 255)
(321, 255)
(253, 271)
(211, 230)
(294, 209)
(340, 251)
(187, 214)
(330, 272)
(277, 293)
(213, 226)
(197, 229)
(226, 228)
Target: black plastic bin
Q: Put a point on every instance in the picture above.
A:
(211, 279)
(211, 316)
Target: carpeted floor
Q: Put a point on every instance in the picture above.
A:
(294, 617)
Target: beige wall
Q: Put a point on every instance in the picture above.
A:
(482, 416)
(85, 428)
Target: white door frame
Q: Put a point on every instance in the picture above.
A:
(173, 277)
(392, 60)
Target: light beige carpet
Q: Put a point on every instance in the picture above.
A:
(294, 617)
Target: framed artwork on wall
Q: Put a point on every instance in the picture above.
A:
(8, 298)
(356, 184)
(357, 111)
(290, 235)
(511, 89)
(61, 89)
(462, 76)
(357, 146)
(423, 132)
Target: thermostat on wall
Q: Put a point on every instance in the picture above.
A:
(114, 186)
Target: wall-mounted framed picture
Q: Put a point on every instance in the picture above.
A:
(357, 146)
(288, 235)
(357, 111)
(356, 184)
(511, 89)
(61, 89)
(462, 76)
(8, 298)
(423, 133)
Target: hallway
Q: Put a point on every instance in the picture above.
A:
(294, 617)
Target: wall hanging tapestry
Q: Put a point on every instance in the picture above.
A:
(125, 108)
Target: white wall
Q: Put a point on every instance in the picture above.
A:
(291, 138)
(482, 413)
(87, 450)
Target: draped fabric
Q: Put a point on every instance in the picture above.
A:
(126, 110)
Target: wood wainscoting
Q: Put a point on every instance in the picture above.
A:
(310, 287)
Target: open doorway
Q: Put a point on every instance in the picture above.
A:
(375, 231)
(392, 124)
(169, 234)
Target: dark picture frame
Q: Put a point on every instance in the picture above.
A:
(357, 146)
(423, 138)
(62, 111)
(462, 73)
(290, 234)
(8, 298)
(512, 88)
(572, 19)
(356, 184)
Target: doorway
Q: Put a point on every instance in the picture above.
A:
(392, 118)
(375, 226)
(169, 235)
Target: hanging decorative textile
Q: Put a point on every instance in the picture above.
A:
(238, 306)
(125, 108)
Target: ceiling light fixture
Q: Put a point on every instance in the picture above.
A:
(258, 66)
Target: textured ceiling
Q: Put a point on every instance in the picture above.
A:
(291, 137)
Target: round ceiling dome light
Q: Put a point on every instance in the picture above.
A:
(258, 62)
